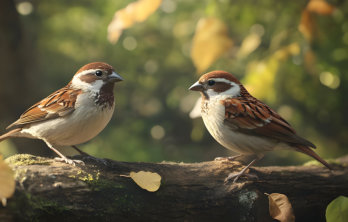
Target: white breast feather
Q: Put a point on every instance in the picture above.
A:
(238, 142)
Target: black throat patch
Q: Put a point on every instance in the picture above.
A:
(105, 97)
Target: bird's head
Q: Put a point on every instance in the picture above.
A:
(218, 84)
(95, 76)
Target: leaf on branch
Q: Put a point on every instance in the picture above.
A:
(210, 41)
(137, 11)
(337, 210)
(7, 182)
(280, 207)
(320, 7)
(147, 180)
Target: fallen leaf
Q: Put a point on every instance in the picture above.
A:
(320, 7)
(7, 182)
(210, 41)
(134, 12)
(337, 210)
(147, 180)
(280, 207)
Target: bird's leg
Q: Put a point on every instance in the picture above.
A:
(87, 156)
(80, 151)
(235, 176)
(62, 157)
(230, 158)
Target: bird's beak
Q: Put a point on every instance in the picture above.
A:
(114, 77)
(197, 87)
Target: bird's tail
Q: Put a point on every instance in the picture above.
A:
(9, 134)
(310, 152)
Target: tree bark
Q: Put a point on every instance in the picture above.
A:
(47, 190)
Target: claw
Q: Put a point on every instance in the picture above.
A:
(96, 159)
(69, 161)
(230, 158)
(231, 176)
(239, 174)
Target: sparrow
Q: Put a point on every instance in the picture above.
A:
(244, 124)
(73, 114)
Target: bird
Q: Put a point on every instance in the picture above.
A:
(73, 114)
(244, 124)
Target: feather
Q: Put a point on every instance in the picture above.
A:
(260, 120)
(60, 103)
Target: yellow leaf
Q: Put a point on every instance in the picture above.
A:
(147, 180)
(7, 182)
(310, 61)
(260, 75)
(280, 207)
(249, 44)
(285, 52)
(137, 11)
(210, 41)
(307, 25)
(320, 7)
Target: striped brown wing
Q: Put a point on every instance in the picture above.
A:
(60, 103)
(252, 117)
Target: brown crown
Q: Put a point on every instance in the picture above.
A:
(219, 74)
(97, 65)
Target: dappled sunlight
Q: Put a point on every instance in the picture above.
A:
(291, 55)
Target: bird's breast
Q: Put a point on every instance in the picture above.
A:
(213, 114)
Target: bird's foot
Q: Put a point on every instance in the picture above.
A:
(95, 159)
(230, 158)
(236, 176)
(69, 161)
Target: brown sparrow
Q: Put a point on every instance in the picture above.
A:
(243, 124)
(73, 114)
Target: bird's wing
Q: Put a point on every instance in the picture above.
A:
(60, 103)
(255, 118)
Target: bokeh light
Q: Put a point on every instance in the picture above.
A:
(24, 8)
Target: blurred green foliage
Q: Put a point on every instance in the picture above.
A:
(151, 122)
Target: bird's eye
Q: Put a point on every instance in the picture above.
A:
(98, 73)
(211, 82)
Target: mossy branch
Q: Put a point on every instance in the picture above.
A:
(49, 190)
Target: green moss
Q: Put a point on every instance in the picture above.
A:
(28, 206)
(45, 205)
(27, 159)
(247, 199)
(103, 184)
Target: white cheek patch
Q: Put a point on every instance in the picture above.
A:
(232, 92)
(93, 86)
(96, 85)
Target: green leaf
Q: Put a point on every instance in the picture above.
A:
(337, 210)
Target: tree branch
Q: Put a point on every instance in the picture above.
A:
(100, 190)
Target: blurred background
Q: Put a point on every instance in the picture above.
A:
(293, 55)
